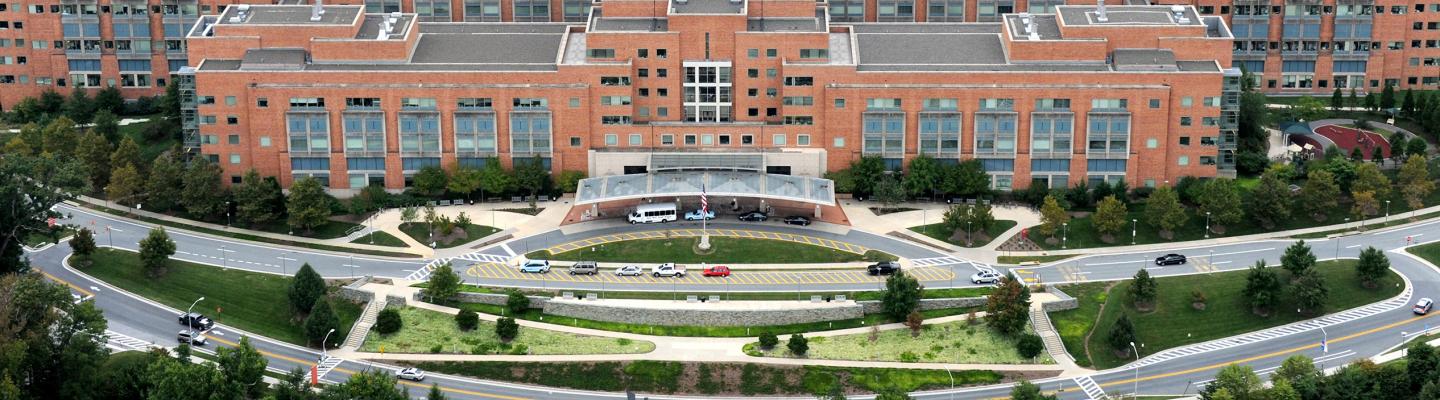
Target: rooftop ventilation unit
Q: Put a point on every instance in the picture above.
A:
(243, 7)
(1100, 11)
(680, 1)
(383, 36)
(317, 10)
(236, 20)
(393, 20)
(395, 14)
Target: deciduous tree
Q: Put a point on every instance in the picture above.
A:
(109, 100)
(243, 367)
(166, 181)
(307, 205)
(1143, 290)
(866, 172)
(1270, 200)
(124, 187)
(1414, 180)
(465, 181)
(60, 137)
(388, 321)
(444, 284)
(375, 384)
(107, 125)
(569, 181)
(83, 245)
(889, 191)
(1221, 199)
(1052, 216)
(1320, 193)
(966, 179)
(255, 199)
(1164, 211)
(29, 187)
(1310, 291)
(1364, 205)
(531, 176)
(1110, 218)
(902, 295)
(204, 193)
(1024, 390)
(1368, 178)
(506, 328)
(155, 252)
(1007, 308)
(923, 176)
(79, 108)
(1372, 266)
(94, 151)
(1238, 381)
(798, 344)
(431, 181)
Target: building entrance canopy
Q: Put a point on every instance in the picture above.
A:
(749, 184)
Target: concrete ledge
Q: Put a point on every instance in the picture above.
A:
(1066, 301)
(730, 313)
(874, 306)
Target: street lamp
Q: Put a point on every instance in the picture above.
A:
(1065, 238)
(1132, 230)
(1337, 241)
(352, 265)
(1207, 224)
(224, 258)
(227, 213)
(282, 263)
(324, 353)
(1136, 393)
(968, 240)
(1387, 212)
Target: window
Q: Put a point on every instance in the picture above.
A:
(1109, 104)
(752, 53)
(1154, 103)
(747, 140)
(995, 133)
(614, 81)
(264, 141)
(997, 104)
(636, 139)
(814, 53)
(799, 101)
(1184, 140)
(939, 134)
(724, 140)
(420, 132)
(690, 140)
(642, 53)
(839, 103)
(612, 139)
(1187, 101)
(777, 139)
(364, 132)
(1184, 121)
(839, 143)
(614, 120)
(667, 140)
(308, 132)
(883, 133)
(1052, 104)
(574, 141)
(530, 133)
(234, 158)
(613, 100)
(601, 53)
(660, 53)
(1051, 132)
(799, 81)
(1184, 160)
(307, 102)
(771, 53)
(799, 120)
(230, 101)
(1109, 133)
(262, 102)
(232, 139)
(707, 140)
(232, 120)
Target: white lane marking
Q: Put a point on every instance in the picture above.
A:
(1351, 247)
(506, 247)
(1117, 262)
(1222, 262)
(1238, 252)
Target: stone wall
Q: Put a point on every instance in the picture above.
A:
(874, 306)
(353, 293)
(488, 298)
(1066, 301)
(600, 311)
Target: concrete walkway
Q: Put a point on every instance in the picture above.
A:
(899, 224)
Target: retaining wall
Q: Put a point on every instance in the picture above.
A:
(353, 293)
(1066, 301)
(692, 316)
(874, 306)
(488, 298)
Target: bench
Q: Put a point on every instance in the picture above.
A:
(840, 297)
(567, 295)
(690, 298)
(817, 299)
(714, 299)
(517, 199)
(591, 296)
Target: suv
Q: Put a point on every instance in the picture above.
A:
(1170, 259)
(883, 268)
(194, 338)
(584, 268)
(196, 321)
(537, 266)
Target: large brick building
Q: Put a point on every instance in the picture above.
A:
(1134, 93)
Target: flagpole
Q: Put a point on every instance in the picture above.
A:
(704, 220)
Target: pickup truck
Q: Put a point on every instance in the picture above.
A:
(668, 269)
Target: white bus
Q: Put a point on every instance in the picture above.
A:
(651, 213)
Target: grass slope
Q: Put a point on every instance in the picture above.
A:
(725, 250)
(951, 342)
(421, 233)
(426, 331)
(704, 331)
(380, 238)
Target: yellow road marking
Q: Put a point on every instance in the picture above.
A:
(71, 285)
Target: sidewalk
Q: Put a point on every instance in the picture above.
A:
(488, 214)
(933, 213)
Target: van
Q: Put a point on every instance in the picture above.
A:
(584, 268)
(652, 213)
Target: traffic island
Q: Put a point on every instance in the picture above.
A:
(425, 331)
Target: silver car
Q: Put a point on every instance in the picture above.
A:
(412, 373)
(629, 270)
(985, 277)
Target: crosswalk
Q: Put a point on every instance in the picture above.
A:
(1072, 273)
(1092, 390)
(485, 257)
(424, 271)
(935, 261)
(327, 364)
(125, 342)
(789, 278)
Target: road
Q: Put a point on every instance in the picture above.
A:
(1351, 335)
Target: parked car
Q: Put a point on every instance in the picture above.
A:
(536, 266)
(797, 220)
(192, 337)
(695, 215)
(584, 268)
(196, 321)
(754, 216)
(668, 269)
(985, 276)
(629, 270)
(718, 270)
(1170, 259)
(1422, 307)
(883, 268)
(412, 373)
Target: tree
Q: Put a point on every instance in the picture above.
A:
(467, 320)
(1368, 178)
(1422, 364)
(1309, 109)
(94, 151)
(48, 341)
(902, 295)
(1337, 100)
(29, 187)
(891, 393)
(1371, 267)
(1310, 291)
(376, 384)
(915, 322)
(435, 393)
(155, 251)
(1164, 211)
(1302, 375)
(124, 187)
(170, 103)
(1416, 147)
(798, 344)
(768, 340)
(1024, 390)
(321, 321)
(204, 193)
(294, 386)
(465, 181)
(388, 321)
(243, 367)
(1297, 258)
(1414, 181)
(51, 102)
(1122, 334)
(431, 181)
(107, 125)
(444, 284)
(109, 100)
(307, 205)
(1029, 345)
(1320, 193)
(79, 108)
(1007, 308)
(1238, 380)
(1262, 288)
(178, 378)
(1357, 155)
(1110, 218)
(516, 302)
(1143, 290)
(966, 178)
(866, 172)
(255, 199)
(923, 176)
(506, 328)
(1387, 97)
(1365, 204)
(166, 180)
(1052, 216)
(1221, 200)
(59, 137)
(1407, 104)
(307, 288)
(1270, 200)
(531, 176)
(1377, 155)
(889, 191)
(494, 178)
(569, 181)
(83, 245)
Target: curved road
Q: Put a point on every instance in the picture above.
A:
(1352, 335)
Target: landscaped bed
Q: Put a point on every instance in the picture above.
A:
(380, 238)
(939, 232)
(724, 250)
(703, 331)
(426, 331)
(420, 231)
(250, 301)
(951, 342)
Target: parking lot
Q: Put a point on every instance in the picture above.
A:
(736, 233)
(559, 274)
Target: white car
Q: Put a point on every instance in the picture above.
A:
(695, 215)
(412, 373)
(629, 270)
(985, 276)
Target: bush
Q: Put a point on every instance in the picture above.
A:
(516, 302)
(768, 340)
(388, 321)
(798, 344)
(506, 328)
(467, 320)
(159, 131)
(1030, 346)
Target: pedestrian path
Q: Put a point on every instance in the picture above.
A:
(124, 342)
(1092, 390)
(327, 364)
(362, 326)
(736, 233)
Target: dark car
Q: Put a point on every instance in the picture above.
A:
(197, 321)
(797, 220)
(883, 268)
(754, 216)
(1170, 259)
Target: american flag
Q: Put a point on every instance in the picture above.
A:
(704, 202)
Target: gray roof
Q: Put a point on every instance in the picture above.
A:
(370, 28)
(492, 27)
(716, 183)
(492, 48)
(292, 15)
(271, 59)
(1143, 59)
(1207, 66)
(926, 28)
(1044, 24)
(1127, 15)
(632, 24)
(707, 6)
(211, 64)
(929, 48)
(1074, 67)
(785, 25)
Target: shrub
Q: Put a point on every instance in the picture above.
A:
(798, 344)
(388, 321)
(467, 320)
(436, 349)
(909, 357)
(768, 340)
(1029, 345)
(506, 328)
(517, 302)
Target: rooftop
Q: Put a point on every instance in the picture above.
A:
(487, 48)
(1044, 25)
(1144, 60)
(785, 25)
(715, 184)
(1130, 15)
(271, 59)
(289, 15)
(375, 23)
(631, 24)
(929, 49)
(707, 6)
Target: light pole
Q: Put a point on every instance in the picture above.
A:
(1207, 224)
(324, 351)
(1387, 212)
(952, 381)
(1337, 242)
(968, 240)
(1132, 230)
(282, 263)
(188, 322)
(1136, 393)
(227, 213)
(1324, 341)
(1065, 238)
(352, 265)
(224, 258)
(108, 237)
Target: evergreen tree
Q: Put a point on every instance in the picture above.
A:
(1122, 334)
(1372, 266)
(321, 321)
(305, 290)
(506, 328)
(1387, 97)
(1407, 105)
(1337, 100)
(170, 103)
(107, 125)
(83, 245)
(109, 100)
(1262, 288)
(902, 295)
(435, 393)
(78, 107)
(798, 344)
(1007, 308)
(1354, 100)
(1143, 290)
(1297, 259)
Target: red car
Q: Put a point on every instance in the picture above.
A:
(718, 270)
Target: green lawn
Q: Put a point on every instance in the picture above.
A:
(748, 380)
(380, 238)
(1072, 325)
(870, 295)
(1429, 252)
(420, 231)
(149, 150)
(951, 342)
(724, 250)
(426, 331)
(1176, 323)
(242, 236)
(704, 331)
(37, 239)
(250, 301)
(1039, 259)
(938, 232)
(331, 229)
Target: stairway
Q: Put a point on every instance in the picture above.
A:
(363, 324)
(1053, 345)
